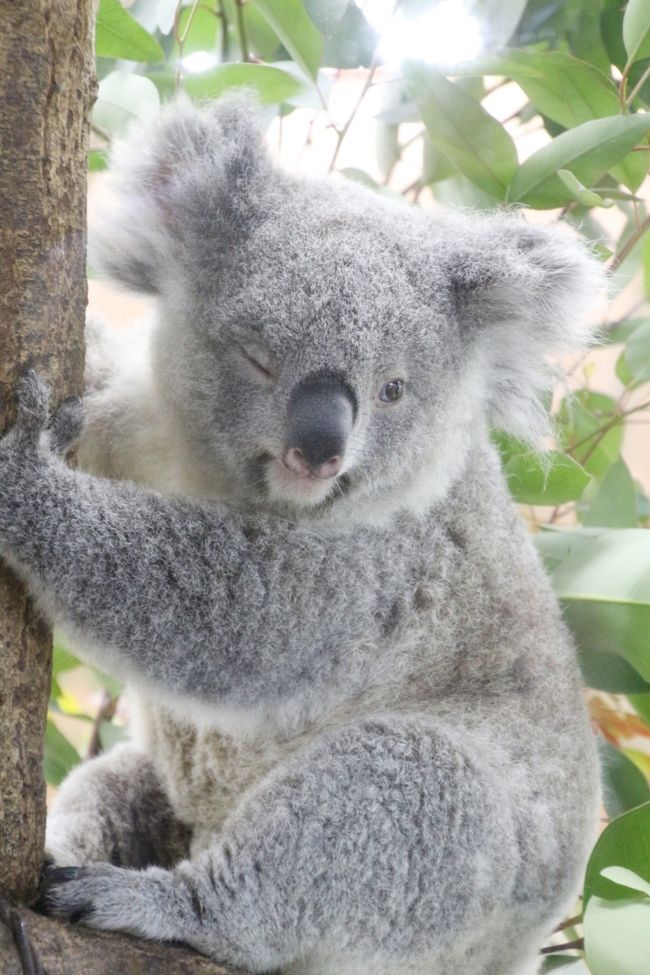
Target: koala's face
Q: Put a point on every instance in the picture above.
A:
(320, 364)
(319, 343)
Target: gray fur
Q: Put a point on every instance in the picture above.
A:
(361, 702)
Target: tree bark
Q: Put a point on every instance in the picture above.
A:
(58, 948)
(47, 88)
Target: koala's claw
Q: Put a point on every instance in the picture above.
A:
(65, 426)
(57, 893)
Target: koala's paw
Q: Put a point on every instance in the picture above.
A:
(139, 902)
(34, 427)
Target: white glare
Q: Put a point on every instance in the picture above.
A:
(446, 34)
(198, 62)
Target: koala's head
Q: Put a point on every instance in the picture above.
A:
(319, 344)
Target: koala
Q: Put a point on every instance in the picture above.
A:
(360, 743)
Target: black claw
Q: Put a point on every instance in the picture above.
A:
(51, 878)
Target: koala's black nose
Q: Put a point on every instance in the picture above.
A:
(321, 413)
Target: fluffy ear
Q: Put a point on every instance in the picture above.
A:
(522, 296)
(182, 187)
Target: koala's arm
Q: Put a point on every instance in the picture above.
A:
(199, 599)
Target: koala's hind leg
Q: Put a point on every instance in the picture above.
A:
(113, 809)
(379, 846)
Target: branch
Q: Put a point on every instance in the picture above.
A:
(59, 948)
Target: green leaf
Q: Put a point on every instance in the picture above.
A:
(118, 35)
(97, 160)
(498, 19)
(625, 843)
(123, 97)
(624, 786)
(63, 660)
(460, 127)
(581, 419)
(296, 31)
(552, 478)
(353, 42)
(617, 936)
(562, 87)
(203, 30)
(641, 704)
(637, 353)
(614, 505)
(271, 84)
(580, 193)
(568, 964)
(589, 151)
(326, 14)
(59, 756)
(636, 30)
(606, 672)
(626, 878)
(602, 577)
(111, 734)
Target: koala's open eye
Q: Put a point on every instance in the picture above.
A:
(391, 391)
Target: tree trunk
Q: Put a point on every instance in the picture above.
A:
(47, 88)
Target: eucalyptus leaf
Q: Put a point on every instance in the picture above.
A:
(580, 193)
(552, 478)
(296, 31)
(637, 353)
(59, 756)
(602, 577)
(589, 151)
(636, 29)
(617, 936)
(624, 786)
(119, 35)
(123, 97)
(614, 505)
(625, 843)
(460, 127)
(326, 14)
(627, 878)
(271, 84)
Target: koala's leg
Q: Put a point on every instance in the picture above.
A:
(382, 844)
(113, 809)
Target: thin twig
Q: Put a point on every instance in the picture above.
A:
(629, 245)
(341, 133)
(569, 923)
(578, 943)
(105, 712)
(225, 41)
(637, 88)
(241, 29)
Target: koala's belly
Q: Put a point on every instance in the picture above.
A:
(204, 771)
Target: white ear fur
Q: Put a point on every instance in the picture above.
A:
(186, 175)
(522, 294)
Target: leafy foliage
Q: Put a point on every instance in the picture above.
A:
(578, 77)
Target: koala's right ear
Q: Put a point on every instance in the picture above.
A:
(183, 188)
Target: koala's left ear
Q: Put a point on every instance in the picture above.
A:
(520, 294)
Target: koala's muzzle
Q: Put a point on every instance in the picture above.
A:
(321, 414)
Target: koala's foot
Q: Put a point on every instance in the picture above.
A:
(137, 902)
(114, 809)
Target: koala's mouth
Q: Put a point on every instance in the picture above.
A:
(273, 479)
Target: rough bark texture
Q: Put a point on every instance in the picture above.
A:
(63, 949)
(47, 88)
